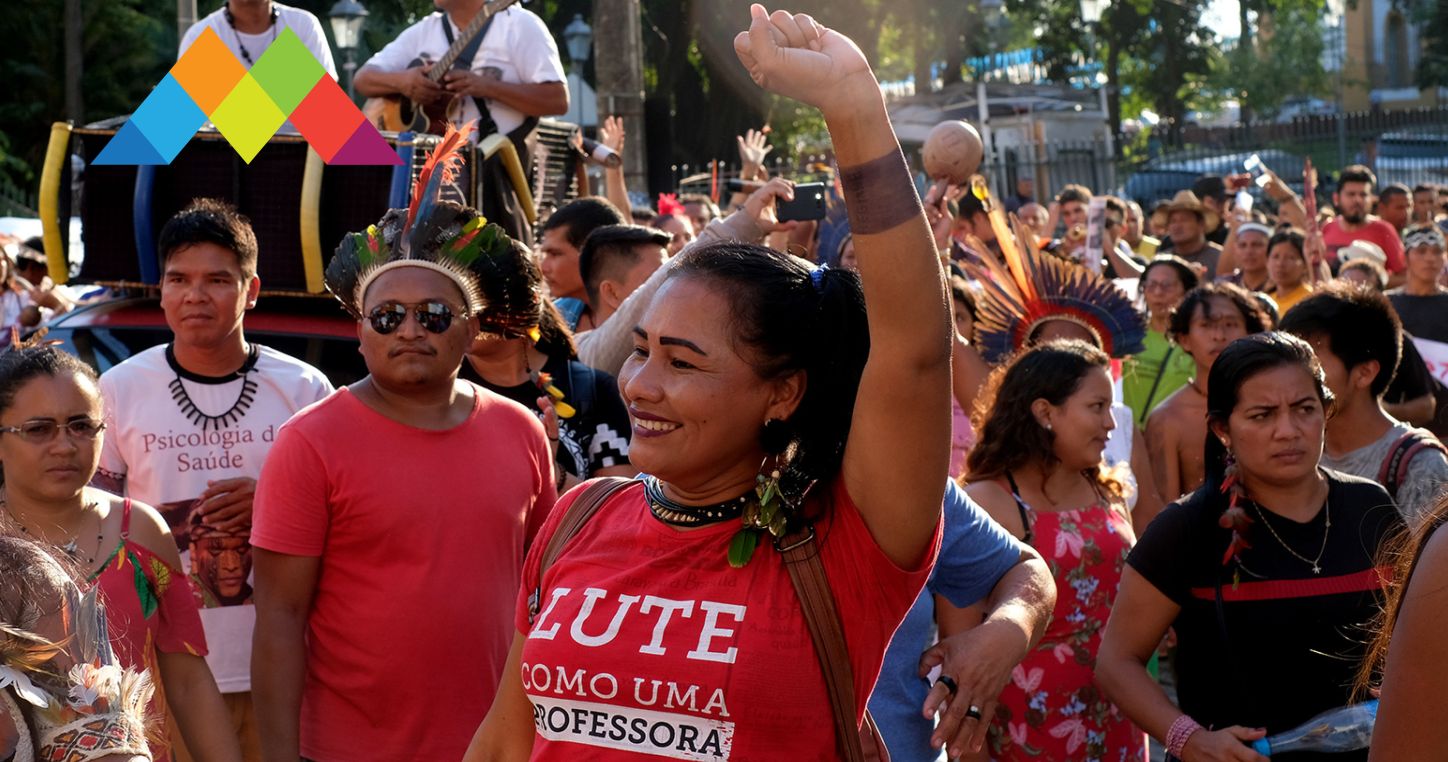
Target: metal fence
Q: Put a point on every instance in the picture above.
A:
(1407, 147)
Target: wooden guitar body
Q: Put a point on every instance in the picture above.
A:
(396, 113)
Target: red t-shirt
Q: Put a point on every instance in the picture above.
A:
(1378, 231)
(647, 643)
(422, 536)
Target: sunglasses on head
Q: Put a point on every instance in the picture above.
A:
(434, 317)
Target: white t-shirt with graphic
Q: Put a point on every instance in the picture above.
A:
(169, 432)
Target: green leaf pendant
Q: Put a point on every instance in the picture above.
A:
(742, 547)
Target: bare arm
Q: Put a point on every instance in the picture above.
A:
(285, 585)
(1165, 461)
(190, 689)
(1416, 675)
(899, 446)
(611, 134)
(193, 698)
(1125, 266)
(1139, 619)
(506, 734)
(969, 372)
(531, 98)
(1148, 500)
(981, 644)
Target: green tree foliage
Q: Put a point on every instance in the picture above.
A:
(127, 46)
(1433, 64)
(1283, 58)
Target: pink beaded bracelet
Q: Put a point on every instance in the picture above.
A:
(1181, 730)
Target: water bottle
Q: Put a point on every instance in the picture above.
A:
(1346, 728)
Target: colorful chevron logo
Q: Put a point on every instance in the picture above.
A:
(247, 107)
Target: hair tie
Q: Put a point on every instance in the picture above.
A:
(817, 276)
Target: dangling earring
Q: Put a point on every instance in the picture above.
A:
(766, 514)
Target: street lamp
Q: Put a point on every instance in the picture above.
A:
(1091, 10)
(347, 18)
(578, 36)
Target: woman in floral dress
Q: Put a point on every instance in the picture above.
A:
(1037, 468)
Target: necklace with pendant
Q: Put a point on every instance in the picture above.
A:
(1315, 563)
(71, 547)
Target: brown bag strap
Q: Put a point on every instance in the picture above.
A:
(817, 601)
(578, 513)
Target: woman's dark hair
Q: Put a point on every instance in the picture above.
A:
(1294, 236)
(19, 366)
(1373, 270)
(1184, 271)
(1358, 323)
(554, 338)
(1254, 316)
(793, 317)
(1008, 434)
(1240, 361)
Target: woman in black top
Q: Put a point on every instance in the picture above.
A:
(1268, 572)
(525, 352)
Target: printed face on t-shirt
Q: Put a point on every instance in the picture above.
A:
(411, 356)
(221, 564)
(59, 467)
(696, 405)
(204, 294)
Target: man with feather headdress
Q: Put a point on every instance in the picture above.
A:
(393, 517)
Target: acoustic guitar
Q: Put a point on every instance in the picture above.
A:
(397, 113)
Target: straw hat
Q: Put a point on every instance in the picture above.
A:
(1186, 201)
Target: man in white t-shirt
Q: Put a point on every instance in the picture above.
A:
(248, 27)
(189, 424)
(516, 72)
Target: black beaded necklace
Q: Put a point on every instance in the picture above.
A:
(231, 22)
(238, 409)
(681, 515)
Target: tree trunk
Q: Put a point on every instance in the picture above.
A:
(619, 76)
(922, 53)
(74, 37)
(1245, 57)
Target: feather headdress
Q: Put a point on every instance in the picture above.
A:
(1032, 287)
(438, 235)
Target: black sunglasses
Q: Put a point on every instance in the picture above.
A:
(434, 317)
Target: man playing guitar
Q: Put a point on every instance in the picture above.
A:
(515, 71)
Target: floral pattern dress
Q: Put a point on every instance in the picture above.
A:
(1052, 708)
(150, 608)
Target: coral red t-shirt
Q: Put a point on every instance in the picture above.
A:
(1378, 231)
(648, 644)
(421, 537)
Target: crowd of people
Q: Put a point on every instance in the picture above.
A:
(938, 477)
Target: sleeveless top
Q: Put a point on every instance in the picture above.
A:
(1052, 707)
(150, 609)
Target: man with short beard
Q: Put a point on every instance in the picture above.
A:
(1353, 199)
